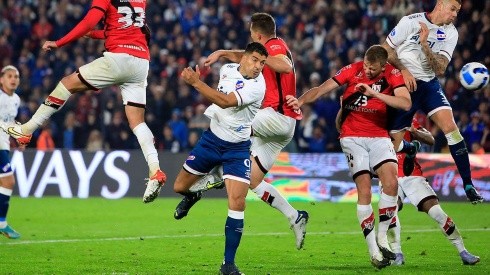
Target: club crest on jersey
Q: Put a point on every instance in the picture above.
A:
(239, 84)
(376, 87)
(441, 35)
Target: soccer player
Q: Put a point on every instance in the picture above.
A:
(417, 189)
(9, 106)
(273, 126)
(421, 46)
(125, 63)
(372, 86)
(241, 89)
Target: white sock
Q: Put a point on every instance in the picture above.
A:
(447, 226)
(146, 141)
(51, 105)
(269, 194)
(366, 219)
(387, 211)
(394, 235)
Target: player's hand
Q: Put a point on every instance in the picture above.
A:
(49, 45)
(190, 76)
(410, 81)
(292, 102)
(424, 33)
(212, 58)
(365, 89)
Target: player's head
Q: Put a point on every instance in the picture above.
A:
(9, 78)
(262, 27)
(375, 60)
(253, 60)
(446, 11)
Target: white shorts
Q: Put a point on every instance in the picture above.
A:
(128, 72)
(367, 154)
(272, 131)
(416, 189)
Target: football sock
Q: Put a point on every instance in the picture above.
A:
(269, 194)
(233, 234)
(406, 147)
(146, 141)
(51, 105)
(459, 152)
(447, 226)
(365, 216)
(394, 235)
(4, 205)
(387, 211)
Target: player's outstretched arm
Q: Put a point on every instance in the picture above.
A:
(191, 77)
(232, 55)
(393, 59)
(88, 23)
(401, 99)
(316, 92)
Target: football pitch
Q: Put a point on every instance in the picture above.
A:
(99, 236)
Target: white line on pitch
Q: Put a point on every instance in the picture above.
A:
(210, 235)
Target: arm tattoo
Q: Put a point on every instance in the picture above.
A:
(437, 62)
(393, 57)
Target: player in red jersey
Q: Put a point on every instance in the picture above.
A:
(372, 86)
(125, 63)
(419, 192)
(273, 125)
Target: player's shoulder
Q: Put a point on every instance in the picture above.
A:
(276, 45)
(415, 17)
(392, 71)
(229, 67)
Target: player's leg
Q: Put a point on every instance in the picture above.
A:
(448, 228)
(358, 162)
(394, 230)
(272, 132)
(444, 119)
(7, 182)
(203, 157)
(237, 191)
(439, 111)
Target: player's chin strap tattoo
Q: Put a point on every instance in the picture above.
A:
(437, 62)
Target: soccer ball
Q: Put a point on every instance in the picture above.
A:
(473, 76)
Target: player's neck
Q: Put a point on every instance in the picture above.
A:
(433, 18)
(9, 93)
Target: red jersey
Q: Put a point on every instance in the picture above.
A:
(417, 171)
(279, 85)
(364, 116)
(125, 30)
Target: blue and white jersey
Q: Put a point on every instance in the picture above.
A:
(9, 105)
(234, 124)
(404, 38)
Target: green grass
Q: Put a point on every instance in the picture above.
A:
(97, 236)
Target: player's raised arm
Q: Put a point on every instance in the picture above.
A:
(401, 99)
(232, 55)
(280, 63)
(316, 92)
(393, 59)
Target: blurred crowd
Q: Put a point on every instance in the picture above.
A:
(323, 35)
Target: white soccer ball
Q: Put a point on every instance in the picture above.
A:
(474, 76)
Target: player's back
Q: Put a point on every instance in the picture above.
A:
(9, 106)
(279, 85)
(125, 26)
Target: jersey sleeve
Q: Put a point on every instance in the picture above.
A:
(448, 47)
(396, 78)
(90, 20)
(343, 75)
(400, 32)
(275, 49)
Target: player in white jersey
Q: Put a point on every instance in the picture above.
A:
(241, 89)
(9, 106)
(421, 46)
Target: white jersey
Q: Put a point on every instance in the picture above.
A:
(405, 39)
(234, 124)
(9, 106)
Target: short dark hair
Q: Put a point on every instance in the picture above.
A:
(264, 23)
(256, 47)
(376, 53)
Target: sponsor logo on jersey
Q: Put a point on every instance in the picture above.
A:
(275, 47)
(393, 32)
(441, 35)
(376, 88)
(395, 72)
(239, 84)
